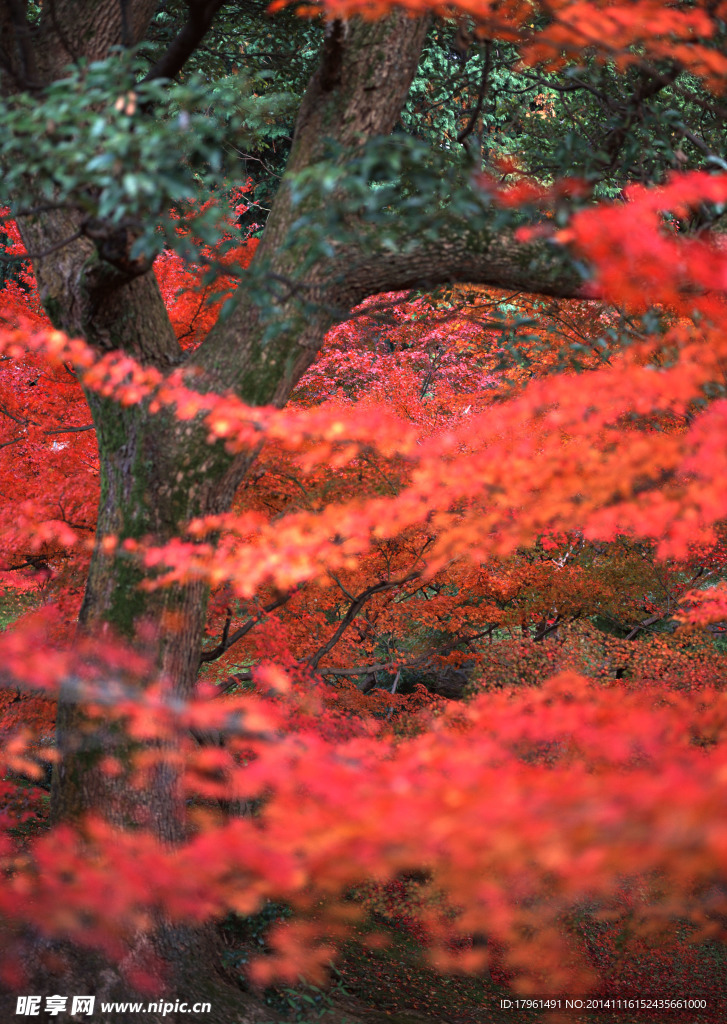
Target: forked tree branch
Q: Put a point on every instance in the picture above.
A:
(199, 21)
(354, 608)
(228, 640)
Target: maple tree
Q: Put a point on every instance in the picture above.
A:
(297, 499)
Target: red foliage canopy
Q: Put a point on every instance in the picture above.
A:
(417, 514)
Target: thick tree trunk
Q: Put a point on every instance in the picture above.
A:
(157, 473)
(191, 961)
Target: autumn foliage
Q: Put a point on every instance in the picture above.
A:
(415, 672)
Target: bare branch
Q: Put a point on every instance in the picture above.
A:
(645, 624)
(201, 16)
(70, 430)
(45, 252)
(354, 608)
(14, 440)
(227, 641)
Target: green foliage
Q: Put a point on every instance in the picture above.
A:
(92, 150)
(396, 186)
(589, 120)
(277, 55)
(13, 603)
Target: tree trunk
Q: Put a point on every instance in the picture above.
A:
(158, 473)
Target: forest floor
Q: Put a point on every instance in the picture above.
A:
(393, 986)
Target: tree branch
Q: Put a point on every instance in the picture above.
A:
(227, 641)
(354, 608)
(484, 87)
(645, 624)
(651, 83)
(422, 661)
(466, 257)
(70, 430)
(201, 16)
